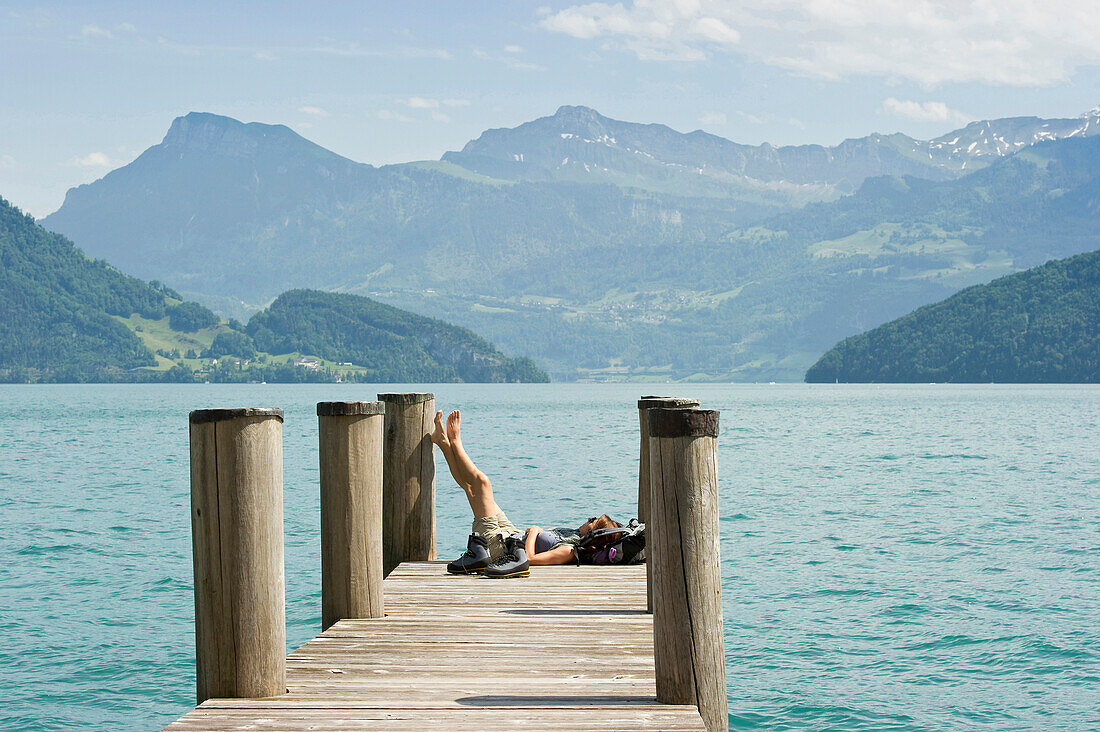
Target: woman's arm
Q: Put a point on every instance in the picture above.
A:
(529, 540)
(558, 555)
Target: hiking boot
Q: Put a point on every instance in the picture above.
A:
(474, 560)
(513, 563)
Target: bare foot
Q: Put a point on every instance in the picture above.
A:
(453, 420)
(439, 437)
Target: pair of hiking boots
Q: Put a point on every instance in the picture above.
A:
(476, 559)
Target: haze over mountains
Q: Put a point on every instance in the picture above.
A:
(69, 318)
(604, 248)
(579, 144)
(1041, 325)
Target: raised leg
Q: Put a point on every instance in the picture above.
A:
(478, 488)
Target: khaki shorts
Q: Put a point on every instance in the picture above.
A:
(495, 529)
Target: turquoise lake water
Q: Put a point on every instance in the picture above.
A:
(894, 557)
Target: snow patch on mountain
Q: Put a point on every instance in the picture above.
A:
(580, 145)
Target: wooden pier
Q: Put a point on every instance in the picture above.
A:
(407, 646)
(568, 648)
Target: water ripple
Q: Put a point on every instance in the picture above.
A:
(894, 558)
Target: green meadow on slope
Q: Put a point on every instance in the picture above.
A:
(69, 318)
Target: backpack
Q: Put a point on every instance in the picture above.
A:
(627, 547)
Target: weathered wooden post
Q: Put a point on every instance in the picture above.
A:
(684, 543)
(408, 480)
(237, 543)
(644, 404)
(350, 435)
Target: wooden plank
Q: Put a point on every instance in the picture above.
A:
(587, 717)
(556, 651)
(503, 623)
(452, 697)
(437, 568)
(450, 682)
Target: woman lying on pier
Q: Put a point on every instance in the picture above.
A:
(496, 547)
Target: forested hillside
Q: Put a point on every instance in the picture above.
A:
(1037, 326)
(57, 306)
(70, 318)
(388, 343)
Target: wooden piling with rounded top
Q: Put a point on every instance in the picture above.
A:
(408, 479)
(644, 404)
(684, 550)
(350, 442)
(237, 545)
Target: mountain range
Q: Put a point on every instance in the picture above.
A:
(604, 249)
(579, 144)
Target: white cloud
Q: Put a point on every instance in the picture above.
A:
(926, 112)
(713, 118)
(313, 111)
(652, 29)
(752, 119)
(411, 52)
(7, 162)
(263, 56)
(335, 48)
(395, 116)
(508, 60)
(524, 65)
(513, 49)
(1004, 42)
(420, 103)
(429, 104)
(127, 28)
(92, 160)
(304, 125)
(714, 30)
(95, 31)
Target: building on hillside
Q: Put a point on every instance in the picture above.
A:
(308, 361)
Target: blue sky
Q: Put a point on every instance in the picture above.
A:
(85, 87)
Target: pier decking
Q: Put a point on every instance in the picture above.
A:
(569, 648)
